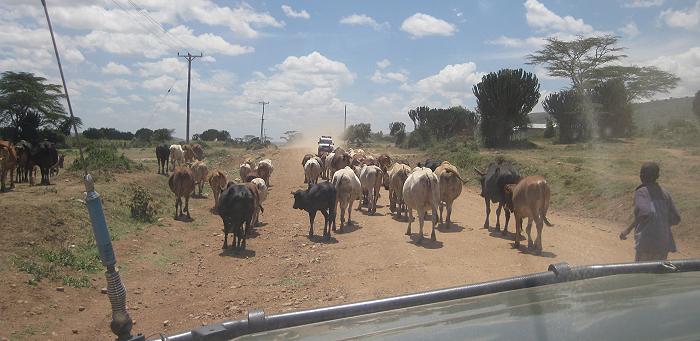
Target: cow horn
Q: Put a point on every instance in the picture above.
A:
(478, 171)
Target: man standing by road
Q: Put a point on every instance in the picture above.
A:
(654, 214)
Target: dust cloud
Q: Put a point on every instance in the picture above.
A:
(309, 139)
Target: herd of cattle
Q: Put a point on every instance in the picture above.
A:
(357, 175)
(350, 175)
(22, 158)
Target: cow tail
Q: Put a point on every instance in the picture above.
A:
(545, 205)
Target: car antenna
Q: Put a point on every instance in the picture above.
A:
(121, 321)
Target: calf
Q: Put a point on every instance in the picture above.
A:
(262, 188)
(236, 208)
(450, 187)
(421, 192)
(328, 165)
(393, 181)
(529, 199)
(318, 197)
(181, 183)
(162, 154)
(348, 189)
(8, 163)
(200, 172)
(312, 170)
(384, 162)
(177, 155)
(217, 181)
(371, 180)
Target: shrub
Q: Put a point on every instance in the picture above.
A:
(142, 205)
(103, 159)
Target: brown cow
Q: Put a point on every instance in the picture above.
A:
(188, 152)
(529, 199)
(264, 171)
(217, 181)
(8, 163)
(253, 188)
(198, 151)
(384, 162)
(340, 161)
(181, 182)
(307, 157)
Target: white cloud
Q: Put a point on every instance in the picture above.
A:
(113, 68)
(303, 92)
(383, 64)
(160, 83)
(516, 42)
(288, 11)
(451, 86)
(364, 20)
(642, 3)
(74, 56)
(421, 25)
(688, 18)
(173, 66)
(385, 77)
(685, 65)
(630, 29)
(151, 47)
(541, 18)
(135, 98)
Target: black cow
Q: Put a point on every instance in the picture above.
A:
(236, 207)
(430, 163)
(318, 197)
(163, 154)
(493, 182)
(45, 155)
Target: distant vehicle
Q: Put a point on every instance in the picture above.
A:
(325, 144)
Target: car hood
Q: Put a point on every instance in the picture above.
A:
(619, 307)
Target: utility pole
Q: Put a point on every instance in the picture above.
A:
(189, 58)
(262, 119)
(345, 121)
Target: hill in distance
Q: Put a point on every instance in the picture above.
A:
(649, 113)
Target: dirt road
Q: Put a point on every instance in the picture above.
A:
(178, 277)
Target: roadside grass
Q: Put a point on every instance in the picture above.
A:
(29, 332)
(594, 179)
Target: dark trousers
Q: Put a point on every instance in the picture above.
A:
(646, 256)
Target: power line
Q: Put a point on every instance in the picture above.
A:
(148, 17)
(135, 19)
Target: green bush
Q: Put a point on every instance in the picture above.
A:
(142, 205)
(106, 159)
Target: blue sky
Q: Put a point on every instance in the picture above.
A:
(311, 58)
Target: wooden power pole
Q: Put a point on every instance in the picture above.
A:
(189, 58)
(262, 120)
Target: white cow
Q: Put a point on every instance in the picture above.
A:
(348, 189)
(371, 180)
(266, 163)
(244, 170)
(393, 181)
(262, 188)
(176, 155)
(421, 192)
(312, 169)
(327, 165)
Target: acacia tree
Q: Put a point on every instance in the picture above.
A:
(143, 134)
(163, 134)
(503, 100)
(398, 130)
(696, 104)
(358, 133)
(27, 103)
(585, 61)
